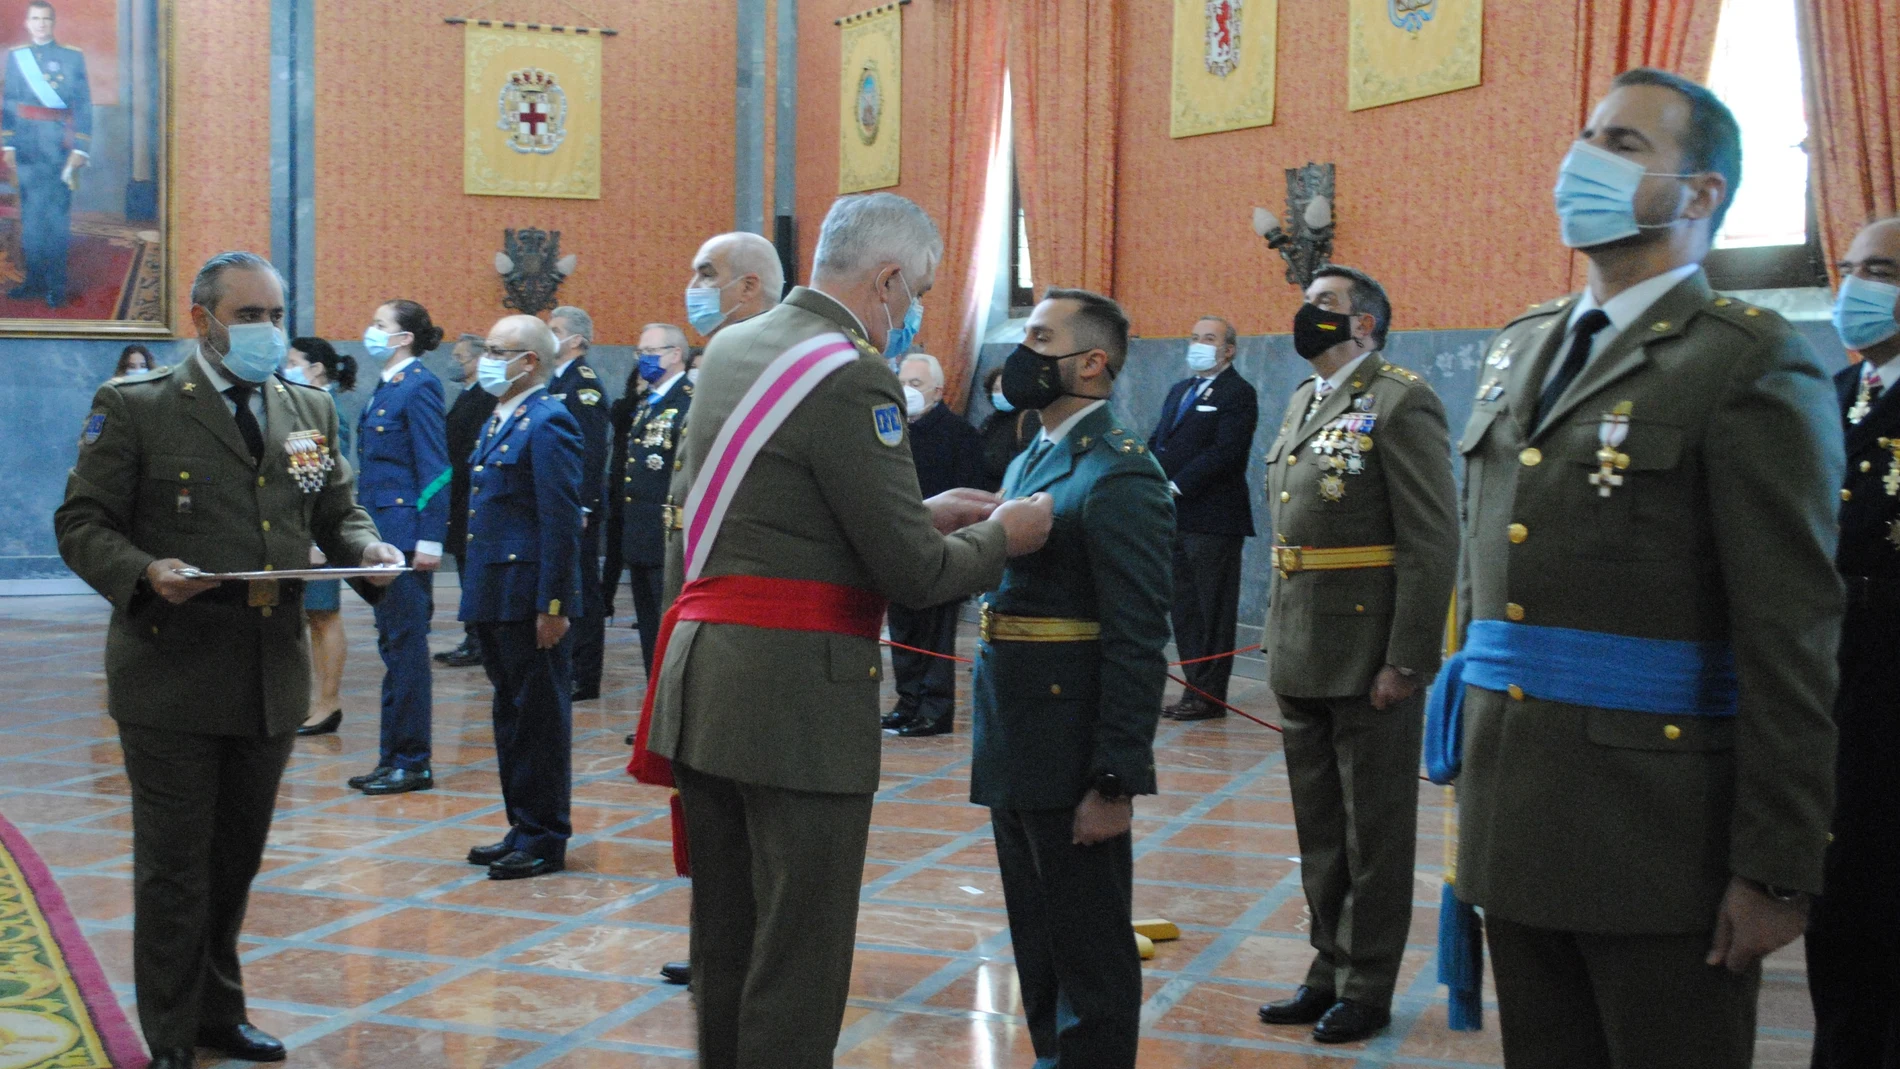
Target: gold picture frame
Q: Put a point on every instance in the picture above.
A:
(118, 264)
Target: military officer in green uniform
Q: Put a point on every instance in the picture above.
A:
(218, 465)
(1067, 687)
(766, 698)
(1650, 613)
(1365, 547)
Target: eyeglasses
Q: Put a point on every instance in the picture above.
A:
(661, 351)
(502, 354)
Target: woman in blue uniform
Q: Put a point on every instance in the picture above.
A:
(313, 362)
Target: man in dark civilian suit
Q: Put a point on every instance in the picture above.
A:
(576, 385)
(949, 454)
(470, 411)
(1853, 939)
(524, 577)
(1202, 442)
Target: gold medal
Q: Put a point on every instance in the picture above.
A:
(1332, 487)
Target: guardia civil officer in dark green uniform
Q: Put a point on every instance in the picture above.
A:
(1365, 544)
(217, 464)
(1650, 612)
(1067, 689)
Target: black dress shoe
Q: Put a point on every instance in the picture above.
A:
(585, 694)
(326, 726)
(488, 855)
(1200, 709)
(677, 972)
(244, 1041)
(630, 737)
(376, 773)
(173, 1059)
(923, 729)
(462, 658)
(1350, 1021)
(519, 865)
(1307, 1005)
(898, 717)
(400, 781)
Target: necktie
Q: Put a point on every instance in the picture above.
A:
(1588, 326)
(1037, 452)
(1187, 400)
(1874, 386)
(246, 422)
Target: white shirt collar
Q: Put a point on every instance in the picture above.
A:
(664, 387)
(1886, 373)
(1628, 306)
(1061, 431)
(219, 381)
(1338, 378)
(390, 371)
(507, 408)
(561, 368)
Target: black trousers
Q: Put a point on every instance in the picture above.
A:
(534, 734)
(775, 913)
(461, 569)
(1076, 962)
(926, 684)
(1206, 601)
(1853, 943)
(589, 629)
(647, 585)
(201, 811)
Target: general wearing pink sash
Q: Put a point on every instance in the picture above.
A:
(754, 601)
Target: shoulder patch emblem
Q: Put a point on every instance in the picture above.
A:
(888, 421)
(587, 372)
(589, 397)
(95, 426)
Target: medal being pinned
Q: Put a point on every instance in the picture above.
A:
(1612, 432)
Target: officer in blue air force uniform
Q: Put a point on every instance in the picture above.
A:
(1067, 688)
(46, 133)
(523, 584)
(402, 438)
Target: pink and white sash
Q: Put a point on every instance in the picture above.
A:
(787, 381)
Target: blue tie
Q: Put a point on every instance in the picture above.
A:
(1187, 400)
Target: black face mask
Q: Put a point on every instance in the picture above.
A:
(1032, 380)
(1316, 330)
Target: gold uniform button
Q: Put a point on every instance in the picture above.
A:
(399, 501)
(1751, 311)
(478, 467)
(266, 525)
(504, 449)
(1671, 732)
(1518, 533)
(266, 609)
(1866, 466)
(1847, 495)
(1516, 692)
(1284, 496)
(874, 671)
(184, 476)
(270, 567)
(511, 556)
(1358, 608)
(1055, 688)
(628, 500)
(1292, 459)
(1514, 612)
(260, 480)
(1531, 457)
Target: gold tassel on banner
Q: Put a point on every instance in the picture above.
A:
(463, 20)
(862, 15)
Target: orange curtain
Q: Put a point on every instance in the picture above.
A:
(1065, 78)
(1850, 61)
(976, 109)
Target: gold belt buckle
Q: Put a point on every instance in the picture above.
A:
(1287, 560)
(263, 593)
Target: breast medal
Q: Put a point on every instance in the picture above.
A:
(311, 460)
(1612, 432)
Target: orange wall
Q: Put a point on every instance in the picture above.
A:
(1446, 200)
(220, 144)
(392, 220)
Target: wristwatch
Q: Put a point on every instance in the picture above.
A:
(1109, 786)
(1408, 673)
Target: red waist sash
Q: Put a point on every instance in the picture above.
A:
(753, 601)
(40, 114)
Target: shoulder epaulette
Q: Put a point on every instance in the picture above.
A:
(1400, 373)
(1756, 321)
(1119, 441)
(1551, 307)
(588, 372)
(157, 374)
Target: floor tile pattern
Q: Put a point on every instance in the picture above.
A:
(370, 943)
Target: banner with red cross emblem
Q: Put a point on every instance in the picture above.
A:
(531, 112)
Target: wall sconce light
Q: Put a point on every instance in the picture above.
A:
(1305, 241)
(532, 268)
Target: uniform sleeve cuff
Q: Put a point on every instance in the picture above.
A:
(433, 549)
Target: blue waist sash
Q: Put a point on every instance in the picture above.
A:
(1643, 675)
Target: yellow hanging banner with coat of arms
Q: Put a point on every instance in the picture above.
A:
(871, 100)
(1405, 49)
(531, 114)
(1223, 65)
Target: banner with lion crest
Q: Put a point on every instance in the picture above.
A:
(871, 99)
(531, 113)
(1223, 65)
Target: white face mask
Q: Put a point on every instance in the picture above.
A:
(1201, 357)
(913, 401)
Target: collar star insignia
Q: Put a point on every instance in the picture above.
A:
(190, 387)
(1085, 441)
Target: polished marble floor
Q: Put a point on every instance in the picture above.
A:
(370, 943)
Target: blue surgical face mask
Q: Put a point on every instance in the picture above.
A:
(898, 340)
(650, 369)
(702, 307)
(376, 341)
(252, 351)
(999, 402)
(1596, 196)
(491, 374)
(1864, 312)
(1200, 357)
(295, 373)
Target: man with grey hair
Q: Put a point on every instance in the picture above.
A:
(949, 454)
(575, 383)
(462, 428)
(522, 588)
(216, 465)
(735, 277)
(801, 524)
(647, 474)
